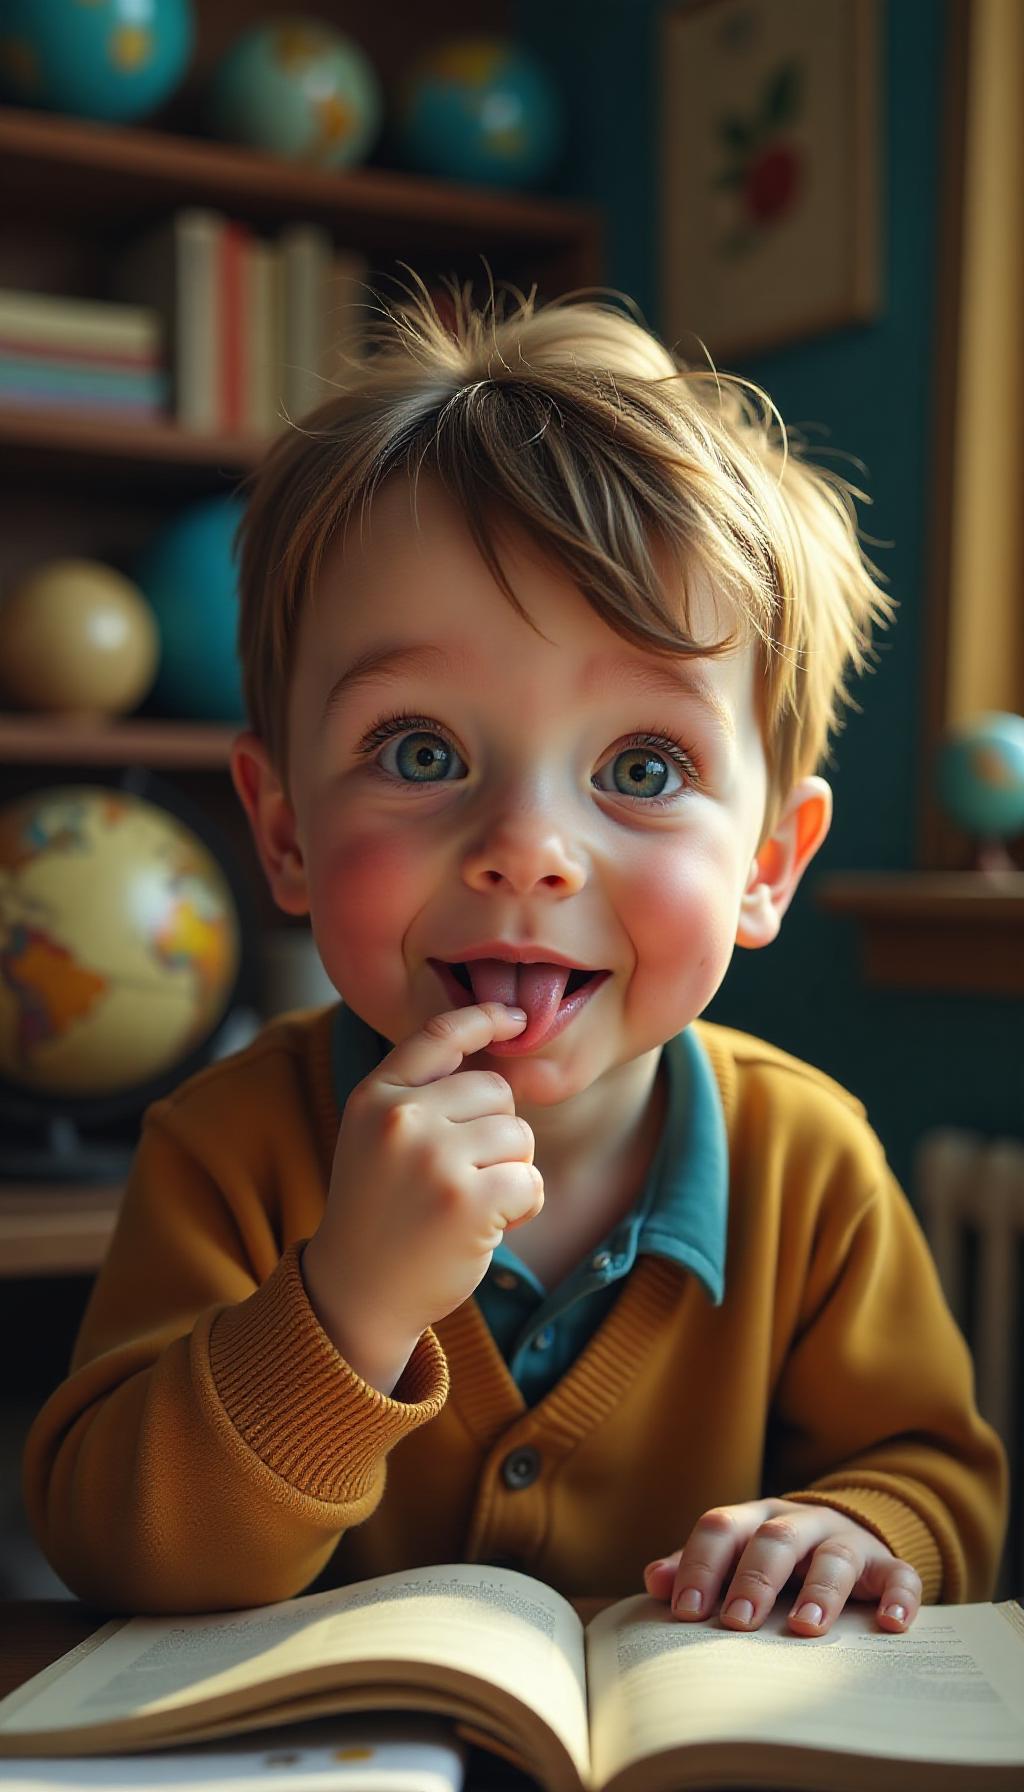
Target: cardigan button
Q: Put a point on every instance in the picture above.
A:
(521, 1467)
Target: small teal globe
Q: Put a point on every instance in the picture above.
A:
(981, 776)
(299, 89)
(109, 59)
(189, 575)
(481, 109)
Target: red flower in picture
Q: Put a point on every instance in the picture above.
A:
(764, 166)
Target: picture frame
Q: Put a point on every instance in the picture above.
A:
(770, 116)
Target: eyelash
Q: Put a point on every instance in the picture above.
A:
(388, 726)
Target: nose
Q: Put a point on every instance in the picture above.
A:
(524, 852)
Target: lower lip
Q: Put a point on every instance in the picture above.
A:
(567, 1010)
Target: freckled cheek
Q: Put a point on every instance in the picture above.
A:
(363, 893)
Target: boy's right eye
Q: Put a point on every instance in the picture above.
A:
(416, 750)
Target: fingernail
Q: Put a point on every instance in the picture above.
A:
(689, 1601)
(898, 1612)
(518, 1013)
(740, 1611)
(651, 1566)
(809, 1613)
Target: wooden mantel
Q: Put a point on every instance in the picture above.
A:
(949, 931)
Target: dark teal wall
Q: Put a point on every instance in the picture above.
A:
(915, 1060)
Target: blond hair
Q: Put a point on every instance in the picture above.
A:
(575, 422)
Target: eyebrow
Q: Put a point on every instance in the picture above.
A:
(386, 664)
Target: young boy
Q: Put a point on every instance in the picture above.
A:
(511, 1258)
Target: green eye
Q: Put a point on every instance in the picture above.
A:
(423, 758)
(639, 772)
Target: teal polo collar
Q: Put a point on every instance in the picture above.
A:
(682, 1213)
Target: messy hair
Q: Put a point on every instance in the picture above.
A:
(573, 422)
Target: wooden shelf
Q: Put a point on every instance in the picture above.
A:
(54, 1228)
(56, 740)
(36, 444)
(71, 165)
(960, 932)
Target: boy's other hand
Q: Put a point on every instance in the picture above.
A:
(753, 1549)
(430, 1170)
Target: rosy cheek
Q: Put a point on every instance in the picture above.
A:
(363, 893)
(682, 925)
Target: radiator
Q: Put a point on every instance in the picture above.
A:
(969, 1192)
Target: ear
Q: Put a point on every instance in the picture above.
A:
(272, 821)
(782, 860)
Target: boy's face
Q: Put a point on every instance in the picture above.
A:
(514, 803)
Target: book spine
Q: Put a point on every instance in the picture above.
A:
(234, 248)
(74, 354)
(258, 405)
(92, 324)
(197, 373)
(25, 376)
(82, 404)
(306, 250)
(349, 303)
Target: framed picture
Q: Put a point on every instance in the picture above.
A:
(770, 152)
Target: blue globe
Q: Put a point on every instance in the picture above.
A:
(981, 776)
(189, 575)
(300, 89)
(111, 59)
(481, 109)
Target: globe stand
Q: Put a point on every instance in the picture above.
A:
(65, 1156)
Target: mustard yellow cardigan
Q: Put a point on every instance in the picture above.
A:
(210, 1448)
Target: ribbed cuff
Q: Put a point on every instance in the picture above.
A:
(892, 1521)
(299, 1405)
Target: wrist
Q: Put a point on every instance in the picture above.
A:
(378, 1357)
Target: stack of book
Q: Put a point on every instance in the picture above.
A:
(81, 355)
(256, 331)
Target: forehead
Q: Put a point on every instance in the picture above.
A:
(411, 572)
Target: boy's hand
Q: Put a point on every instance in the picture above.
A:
(754, 1548)
(430, 1169)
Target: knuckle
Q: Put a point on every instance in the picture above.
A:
(837, 1549)
(400, 1121)
(442, 1026)
(748, 1578)
(717, 1522)
(497, 1087)
(779, 1531)
(525, 1131)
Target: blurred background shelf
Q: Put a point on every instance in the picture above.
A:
(956, 931)
(72, 166)
(38, 446)
(60, 740)
(55, 1229)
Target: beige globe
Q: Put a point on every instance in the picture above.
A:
(120, 942)
(76, 638)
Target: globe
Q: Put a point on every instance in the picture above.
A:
(188, 574)
(981, 776)
(112, 59)
(481, 109)
(120, 942)
(300, 89)
(76, 637)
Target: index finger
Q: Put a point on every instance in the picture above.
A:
(445, 1040)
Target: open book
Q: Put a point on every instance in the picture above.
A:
(634, 1702)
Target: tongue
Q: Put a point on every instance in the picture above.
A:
(536, 987)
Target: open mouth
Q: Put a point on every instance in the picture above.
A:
(551, 995)
(576, 978)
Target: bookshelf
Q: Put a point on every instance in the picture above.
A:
(74, 191)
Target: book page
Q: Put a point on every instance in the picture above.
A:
(485, 1624)
(335, 1755)
(951, 1688)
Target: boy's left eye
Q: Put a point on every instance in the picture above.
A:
(416, 751)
